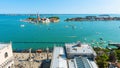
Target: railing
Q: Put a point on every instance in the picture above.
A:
(42, 42)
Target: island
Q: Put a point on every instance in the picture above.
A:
(94, 18)
(37, 19)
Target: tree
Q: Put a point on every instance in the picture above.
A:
(118, 54)
(102, 61)
(112, 56)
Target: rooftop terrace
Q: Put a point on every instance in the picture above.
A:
(79, 49)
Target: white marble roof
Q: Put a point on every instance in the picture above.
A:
(3, 45)
(59, 58)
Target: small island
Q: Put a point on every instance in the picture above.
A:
(53, 19)
(94, 18)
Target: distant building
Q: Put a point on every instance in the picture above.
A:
(81, 62)
(6, 55)
(59, 58)
(76, 50)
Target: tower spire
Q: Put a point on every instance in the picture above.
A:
(38, 18)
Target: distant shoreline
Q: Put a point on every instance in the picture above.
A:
(56, 13)
(103, 17)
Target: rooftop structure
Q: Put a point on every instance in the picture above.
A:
(2, 45)
(75, 50)
(81, 62)
(6, 55)
(58, 58)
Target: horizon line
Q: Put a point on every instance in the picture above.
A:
(60, 13)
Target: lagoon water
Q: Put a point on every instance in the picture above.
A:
(85, 31)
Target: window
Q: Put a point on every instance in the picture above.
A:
(6, 54)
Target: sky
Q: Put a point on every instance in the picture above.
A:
(60, 6)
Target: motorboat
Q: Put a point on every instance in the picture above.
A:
(22, 25)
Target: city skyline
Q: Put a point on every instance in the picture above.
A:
(60, 6)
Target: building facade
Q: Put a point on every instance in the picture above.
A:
(6, 55)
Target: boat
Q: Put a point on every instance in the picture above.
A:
(66, 26)
(98, 33)
(39, 51)
(101, 38)
(119, 26)
(49, 28)
(85, 39)
(73, 27)
(22, 25)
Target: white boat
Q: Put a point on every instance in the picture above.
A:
(85, 39)
(22, 25)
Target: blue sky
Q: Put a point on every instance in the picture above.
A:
(60, 6)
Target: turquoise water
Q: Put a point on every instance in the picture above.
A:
(85, 31)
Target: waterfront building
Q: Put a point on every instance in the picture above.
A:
(81, 62)
(45, 20)
(75, 50)
(59, 58)
(6, 55)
